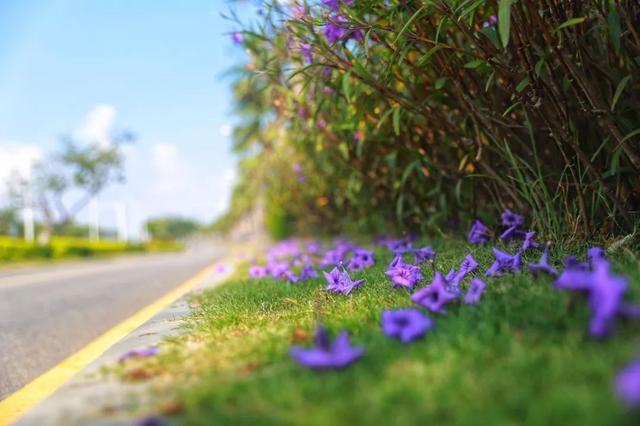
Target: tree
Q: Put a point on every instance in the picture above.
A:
(171, 228)
(64, 184)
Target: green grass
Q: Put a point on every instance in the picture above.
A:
(521, 357)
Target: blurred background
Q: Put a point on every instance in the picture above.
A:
(115, 117)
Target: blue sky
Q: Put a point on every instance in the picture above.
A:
(151, 66)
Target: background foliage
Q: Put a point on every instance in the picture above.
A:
(361, 115)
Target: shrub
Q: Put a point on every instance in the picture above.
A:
(425, 113)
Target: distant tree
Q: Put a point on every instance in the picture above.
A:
(78, 171)
(171, 228)
(10, 222)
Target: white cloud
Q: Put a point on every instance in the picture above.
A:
(98, 125)
(170, 172)
(226, 130)
(17, 158)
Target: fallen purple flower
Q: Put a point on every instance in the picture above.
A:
(606, 294)
(258, 271)
(509, 218)
(406, 325)
(326, 355)
(510, 234)
(308, 272)
(140, 353)
(340, 282)
(504, 263)
(478, 234)
(543, 266)
(291, 277)
(467, 266)
(475, 291)
(403, 274)
(628, 384)
(424, 254)
(434, 296)
(572, 263)
(596, 253)
(529, 242)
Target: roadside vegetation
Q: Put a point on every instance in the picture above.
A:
(14, 250)
(523, 355)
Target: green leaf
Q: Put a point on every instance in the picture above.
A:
(425, 58)
(384, 118)
(522, 85)
(571, 22)
(613, 21)
(511, 108)
(439, 84)
(396, 120)
(410, 168)
(408, 24)
(619, 90)
(504, 20)
(346, 86)
(474, 64)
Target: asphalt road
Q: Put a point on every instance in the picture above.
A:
(48, 313)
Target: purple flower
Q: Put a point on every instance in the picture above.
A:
(334, 29)
(607, 292)
(475, 291)
(138, 353)
(340, 282)
(291, 277)
(361, 259)
(332, 4)
(326, 73)
(152, 421)
(424, 254)
(628, 384)
(298, 11)
(509, 234)
(492, 21)
(278, 269)
(258, 271)
(406, 325)
(467, 266)
(403, 274)
(504, 263)
(572, 263)
(595, 254)
(528, 241)
(305, 50)
(308, 272)
(237, 37)
(543, 266)
(478, 234)
(510, 218)
(326, 355)
(435, 295)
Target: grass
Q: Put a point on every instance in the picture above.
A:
(521, 357)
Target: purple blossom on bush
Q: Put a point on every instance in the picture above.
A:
(510, 218)
(406, 325)
(305, 50)
(490, 22)
(403, 274)
(327, 355)
(237, 37)
(258, 271)
(424, 254)
(140, 353)
(326, 72)
(298, 11)
(334, 29)
(504, 262)
(543, 266)
(475, 291)
(340, 282)
(332, 4)
(434, 296)
(627, 384)
(478, 234)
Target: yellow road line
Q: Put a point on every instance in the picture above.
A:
(40, 388)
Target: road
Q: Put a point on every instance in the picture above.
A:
(48, 313)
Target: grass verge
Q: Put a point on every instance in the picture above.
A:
(523, 356)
